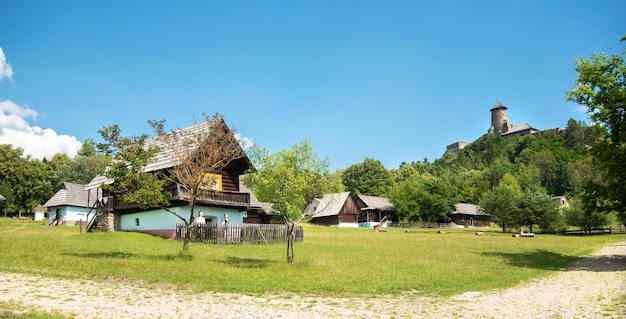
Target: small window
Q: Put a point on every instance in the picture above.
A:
(212, 181)
(244, 214)
(136, 221)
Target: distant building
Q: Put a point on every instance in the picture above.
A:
(457, 146)
(561, 201)
(500, 124)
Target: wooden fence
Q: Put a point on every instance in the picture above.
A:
(239, 234)
(595, 231)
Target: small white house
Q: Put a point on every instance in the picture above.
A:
(70, 205)
(40, 212)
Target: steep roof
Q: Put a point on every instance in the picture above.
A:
(375, 202)
(329, 205)
(40, 208)
(467, 209)
(166, 157)
(498, 105)
(70, 194)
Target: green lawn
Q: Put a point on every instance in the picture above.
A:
(329, 261)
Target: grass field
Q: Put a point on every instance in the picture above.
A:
(329, 261)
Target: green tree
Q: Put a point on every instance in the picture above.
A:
(601, 88)
(425, 198)
(367, 178)
(290, 179)
(502, 202)
(86, 165)
(585, 213)
(537, 208)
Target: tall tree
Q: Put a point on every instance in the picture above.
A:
(86, 165)
(601, 88)
(501, 202)
(290, 179)
(367, 178)
(423, 197)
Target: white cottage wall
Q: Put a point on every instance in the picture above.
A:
(161, 219)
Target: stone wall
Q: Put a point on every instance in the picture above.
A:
(108, 221)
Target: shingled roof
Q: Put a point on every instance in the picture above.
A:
(468, 209)
(329, 205)
(166, 157)
(375, 202)
(254, 202)
(70, 194)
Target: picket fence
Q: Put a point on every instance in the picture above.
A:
(239, 234)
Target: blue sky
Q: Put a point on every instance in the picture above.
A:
(396, 81)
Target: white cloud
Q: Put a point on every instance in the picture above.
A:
(35, 141)
(245, 142)
(5, 69)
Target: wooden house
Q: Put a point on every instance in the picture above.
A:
(258, 212)
(69, 205)
(374, 209)
(339, 209)
(469, 215)
(224, 200)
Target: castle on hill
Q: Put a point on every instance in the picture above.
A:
(500, 125)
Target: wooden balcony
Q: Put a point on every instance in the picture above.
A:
(180, 196)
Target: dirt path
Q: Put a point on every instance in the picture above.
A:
(584, 291)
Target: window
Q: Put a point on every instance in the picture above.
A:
(136, 221)
(212, 181)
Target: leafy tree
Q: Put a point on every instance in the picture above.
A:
(406, 171)
(290, 179)
(86, 165)
(424, 198)
(367, 178)
(501, 202)
(26, 180)
(585, 213)
(405, 199)
(601, 88)
(537, 208)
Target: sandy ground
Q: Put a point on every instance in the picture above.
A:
(586, 290)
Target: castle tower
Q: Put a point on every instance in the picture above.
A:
(500, 123)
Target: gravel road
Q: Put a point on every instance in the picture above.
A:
(586, 290)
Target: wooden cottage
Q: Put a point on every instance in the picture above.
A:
(69, 205)
(374, 209)
(224, 200)
(340, 210)
(469, 215)
(258, 212)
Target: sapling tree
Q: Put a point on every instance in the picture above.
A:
(290, 179)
